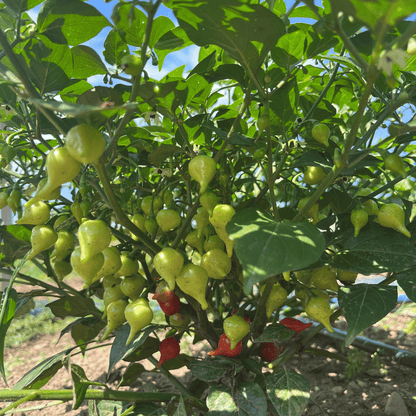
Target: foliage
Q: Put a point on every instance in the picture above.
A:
(227, 152)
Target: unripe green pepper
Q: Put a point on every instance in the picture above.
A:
(94, 236)
(36, 214)
(194, 241)
(115, 316)
(61, 168)
(324, 278)
(209, 200)
(202, 220)
(359, 218)
(77, 211)
(65, 242)
(168, 263)
(168, 219)
(320, 133)
(394, 163)
(86, 269)
(42, 238)
(202, 169)
(112, 263)
(62, 268)
(133, 286)
(314, 175)
(131, 64)
(320, 310)
(216, 263)
(393, 216)
(3, 199)
(85, 143)
(213, 241)
(221, 216)
(276, 299)
(111, 294)
(128, 267)
(193, 281)
(138, 314)
(235, 328)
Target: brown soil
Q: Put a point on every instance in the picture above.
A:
(332, 392)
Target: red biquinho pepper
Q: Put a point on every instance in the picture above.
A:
(224, 348)
(169, 348)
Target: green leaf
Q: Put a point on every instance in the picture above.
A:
(319, 40)
(276, 332)
(38, 376)
(18, 231)
(80, 385)
(247, 32)
(236, 138)
(86, 330)
(251, 400)
(73, 306)
(88, 321)
(70, 22)
(50, 64)
(364, 305)
(20, 6)
(119, 349)
(220, 401)
(266, 247)
(208, 370)
(148, 348)
(161, 153)
(87, 62)
(284, 106)
(160, 26)
(131, 374)
(181, 410)
(289, 49)
(174, 40)
(114, 47)
(377, 249)
(132, 31)
(7, 320)
(288, 391)
(374, 12)
(407, 281)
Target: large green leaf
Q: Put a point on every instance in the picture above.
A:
(160, 26)
(376, 250)
(173, 40)
(220, 401)
(288, 391)
(251, 400)
(119, 349)
(51, 64)
(373, 12)
(4, 326)
(131, 30)
(70, 22)
(87, 62)
(407, 281)
(276, 333)
(289, 49)
(114, 47)
(20, 6)
(38, 376)
(247, 32)
(266, 247)
(73, 306)
(364, 305)
(208, 370)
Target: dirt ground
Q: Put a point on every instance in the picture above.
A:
(332, 391)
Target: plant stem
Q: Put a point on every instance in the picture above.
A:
(258, 323)
(236, 122)
(122, 218)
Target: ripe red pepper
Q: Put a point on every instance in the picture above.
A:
(163, 293)
(295, 325)
(171, 307)
(269, 351)
(224, 345)
(169, 348)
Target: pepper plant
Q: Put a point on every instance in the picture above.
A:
(228, 191)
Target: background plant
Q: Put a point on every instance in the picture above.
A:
(263, 81)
